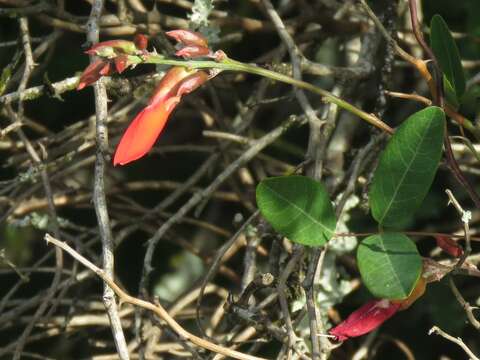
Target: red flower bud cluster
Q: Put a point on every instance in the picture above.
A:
(113, 57)
(192, 44)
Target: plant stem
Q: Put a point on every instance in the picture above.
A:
(227, 64)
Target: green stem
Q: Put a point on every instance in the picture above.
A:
(228, 64)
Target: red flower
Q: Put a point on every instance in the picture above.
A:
(94, 71)
(112, 52)
(449, 246)
(367, 318)
(188, 38)
(193, 44)
(144, 130)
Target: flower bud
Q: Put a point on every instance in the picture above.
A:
(367, 318)
(93, 72)
(449, 246)
(110, 49)
(188, 38)
(141, 41)
(193, 52)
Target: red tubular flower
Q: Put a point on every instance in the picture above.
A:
(144, 130)
(449, 246)
(93, 72)
(192, 82)
(375, 313)
(188, 38)
(367, 318)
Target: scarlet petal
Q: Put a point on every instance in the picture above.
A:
(121, 63)
(106, 69)
(193, 51)
(449, 246)
(93, 72)
(169, 84)
(192, 82)
(188, 38)
(143, 131)
(367, 318)
(148, 124)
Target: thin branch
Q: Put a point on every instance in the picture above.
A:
(458, 341)
(228, 64)
(421, 67)
(281, 290)
(414, 97)
(466, 306)
(438, 96)
(308, 286)
(466, 216)
(99, 198)
(295, 58)
(155, 308)
(29, 64)
(216, 264)
(254, 149)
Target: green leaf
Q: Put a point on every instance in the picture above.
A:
(447, 54)
(389, 264)
(298, 208)
(407, 167)
(450, 94)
